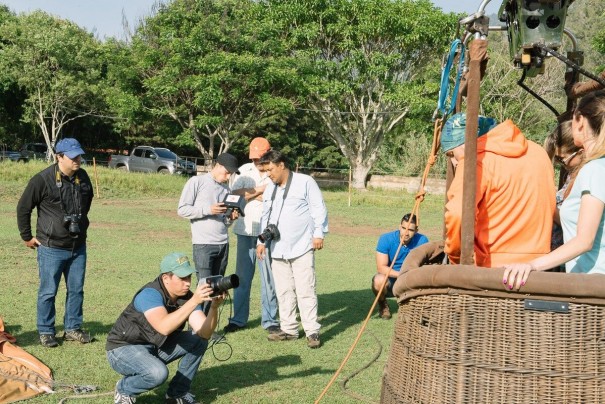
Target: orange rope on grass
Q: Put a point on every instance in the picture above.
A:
(419, 198)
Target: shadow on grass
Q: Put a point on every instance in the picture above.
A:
(30, 338)
(211, 383)
(339, 311)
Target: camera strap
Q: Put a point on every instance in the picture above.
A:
(76, 194)
(290, 175)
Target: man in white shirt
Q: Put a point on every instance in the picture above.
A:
(294, 222)
(250, 184)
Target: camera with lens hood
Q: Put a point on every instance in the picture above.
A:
(72, 223)
(271, 232)
(221, 284)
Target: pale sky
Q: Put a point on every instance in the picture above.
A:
(104, 17)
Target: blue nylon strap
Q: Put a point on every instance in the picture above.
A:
(444, 90)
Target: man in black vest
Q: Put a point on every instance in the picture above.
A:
(62, 195)
(150, 333)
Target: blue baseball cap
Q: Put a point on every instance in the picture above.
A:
(70, 147)
(452, 135)
(178, 264)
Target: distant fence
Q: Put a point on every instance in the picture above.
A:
(342, 178)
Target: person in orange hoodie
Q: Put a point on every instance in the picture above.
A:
(515, 200)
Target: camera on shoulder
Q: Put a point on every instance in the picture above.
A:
(220, 284)
(234, 202)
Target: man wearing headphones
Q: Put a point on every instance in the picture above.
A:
(62, 195)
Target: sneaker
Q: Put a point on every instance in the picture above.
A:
(313, 341)
(48, 341)
(119, 398)
(78, 336)
(216, 337)
(273, 329)
(281, 336)
(232, 327)
(186, 399)
(383, 310)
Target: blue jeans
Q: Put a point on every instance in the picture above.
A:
(52, 263)
(144, 366)
(246, 260)
(210, 260)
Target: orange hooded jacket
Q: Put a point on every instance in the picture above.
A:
(515, 200)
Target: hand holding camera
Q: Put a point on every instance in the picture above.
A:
(235, 205)
(203, 293)
(221, 284)
(218, 209)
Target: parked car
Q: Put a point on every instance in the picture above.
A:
(33, 151)
(152, 160)
(7, 155)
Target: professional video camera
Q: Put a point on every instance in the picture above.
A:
(271, 232)
(220, 284)
(234, 202)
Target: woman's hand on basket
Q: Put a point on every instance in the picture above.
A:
(515, 275)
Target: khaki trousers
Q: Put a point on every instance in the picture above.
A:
(295, 285)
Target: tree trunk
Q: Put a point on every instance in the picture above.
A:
(360, 174)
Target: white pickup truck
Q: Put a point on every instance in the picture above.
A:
(152, 160)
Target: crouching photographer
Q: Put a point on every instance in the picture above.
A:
(294, 223)
(150, 333)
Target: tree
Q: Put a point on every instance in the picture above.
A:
(502, 98)
(585, 20)
(406, 148)
(215, 67)
(54, 62)
(363, 59)
(11, 97)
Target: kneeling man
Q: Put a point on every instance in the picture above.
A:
(408, 237)
(150, 333)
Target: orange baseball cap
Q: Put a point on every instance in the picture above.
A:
(258, 147)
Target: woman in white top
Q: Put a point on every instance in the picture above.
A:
(581, 213)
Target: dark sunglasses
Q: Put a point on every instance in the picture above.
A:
(565, 161)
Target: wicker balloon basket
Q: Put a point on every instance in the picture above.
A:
(461, 338)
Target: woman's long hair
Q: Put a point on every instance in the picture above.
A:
(592, 107)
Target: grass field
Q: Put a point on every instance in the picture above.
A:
(134, 224)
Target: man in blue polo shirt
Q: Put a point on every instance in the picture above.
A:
(407, 235)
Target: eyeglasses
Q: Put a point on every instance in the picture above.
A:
(565, 161)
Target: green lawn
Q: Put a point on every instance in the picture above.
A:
(134, 224)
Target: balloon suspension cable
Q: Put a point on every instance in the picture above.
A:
(536, 95)
(457, 48)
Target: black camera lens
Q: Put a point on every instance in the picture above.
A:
(72, 224)
(270, 233)
(220, 284)
(74, 229)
